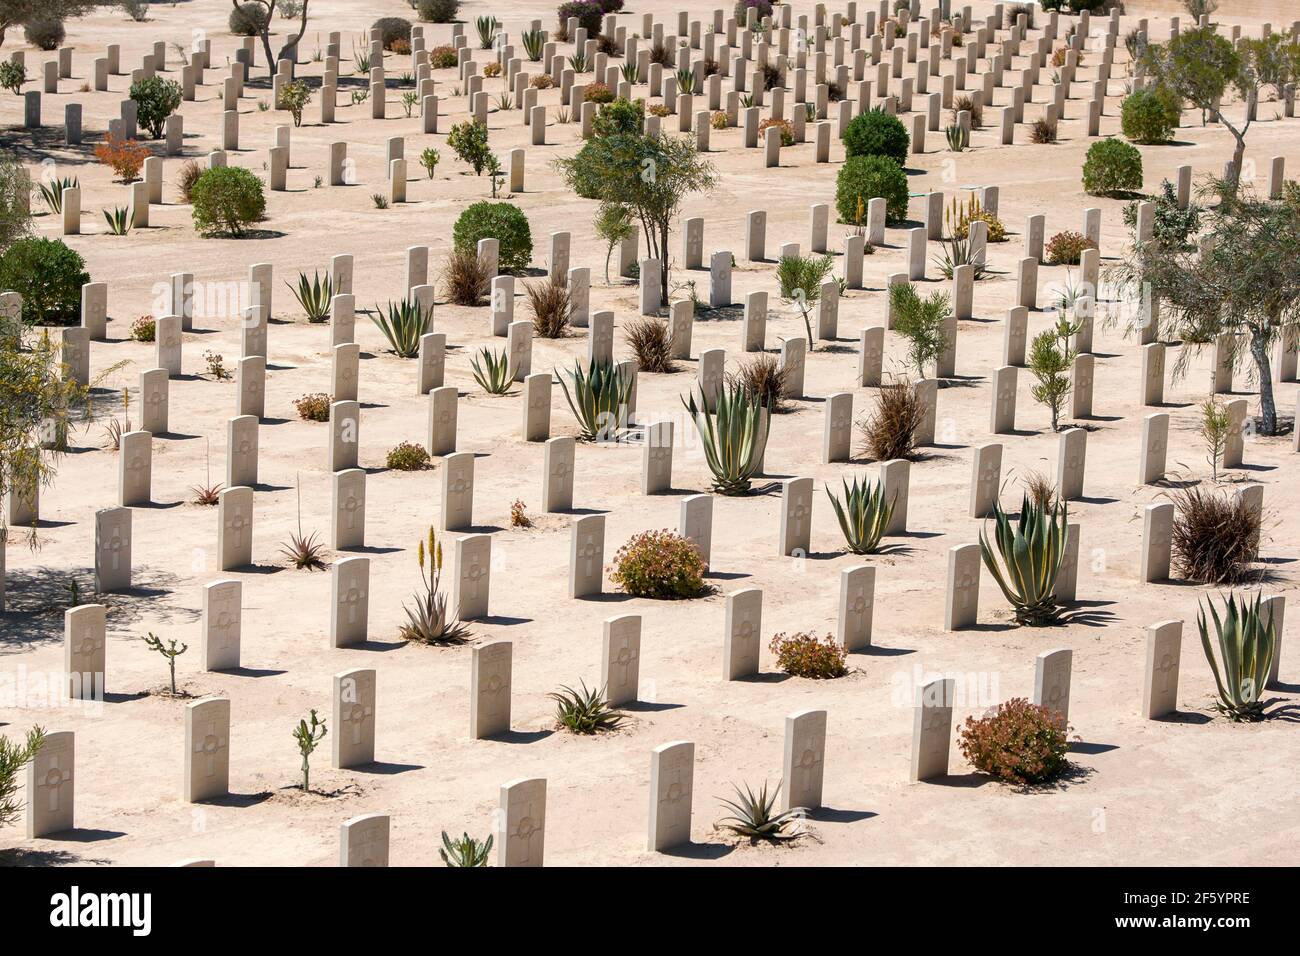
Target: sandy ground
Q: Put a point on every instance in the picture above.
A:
(1195, 789)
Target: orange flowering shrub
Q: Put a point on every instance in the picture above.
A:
(1019, 742)
(660, 564)
(807, 655)
(787, 131)
(125, 156)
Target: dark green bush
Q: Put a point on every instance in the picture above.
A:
(44, 32)
(501, 221)
(49, 276)
(155, 100)
(1149, 116)
(620, 116)
(227, 200)
(392, 29)
(875, 133)
(437, 11)
(1112, 166)
(247, 20)
(869, 177)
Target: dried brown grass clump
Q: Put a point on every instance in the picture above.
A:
(1216, 536)
(464, 278)
(549, 302)
(189, 175)
(651, 343)
(972, 105)
(891, 430)
(763, 376)
(1042, 132)
(1040, 489)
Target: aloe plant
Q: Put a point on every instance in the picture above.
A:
(685, 81)
(403, 324)
(314, 295)
(630, 72)
(53, 193)
(957, 252)
(734, 436)
(493, 373)
(584, 711)
(598, 398)
(118, 219)
(466, 851)
(958, 138)
(578, 62)
(1247, 642)
(534, 43)
(863, 514)
(487, 31)
(754, 815)
(432, 621)
(1028, 559)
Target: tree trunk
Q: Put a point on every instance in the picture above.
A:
(302, 28)
(1263, 369)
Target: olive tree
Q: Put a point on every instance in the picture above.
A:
(1242, 282)
(649, 175)
(264, 29)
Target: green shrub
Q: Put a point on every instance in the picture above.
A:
(1020, 742)
(1112, 166)
(660, 564)
(408, 457)
(807, 655)
(44, 32)
(876, 133)
(437, 11)
(227, 200)
(469, 141)
(247, 20)
(869, 177)
(1173, 226)
(620, 116)
(12, 76)
(442, 57)
(1149, 116)
(49, 276)
(155, 100)
(502, 221)
(392, 29)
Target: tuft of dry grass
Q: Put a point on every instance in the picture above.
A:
(464, 278)
(549, 302)
(651, 342)
(1040, 489)
(973, 105)
(189, 175)
(1042, 131)
(764, 377)
(1216, 536)
(890, 432)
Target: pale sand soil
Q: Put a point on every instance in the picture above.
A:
(1192, 790)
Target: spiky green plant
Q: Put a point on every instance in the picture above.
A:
(1030, 556)
(956, 252)
(578, 62)
(403, 324)
(466, 851)
(118, 219)
(432, 622)
(534, 43)
(801, 278)
(598, 398)
(314, 295)
(685, 81)
(493, 373)
(361, 58)
(487, 31)
(308, 736)
(1247, 639)
(734, 436)
(958, 137)
(53, 192)
(584, 711)
(754, 815)
(630, 72)
(863, 514)
(169, 651)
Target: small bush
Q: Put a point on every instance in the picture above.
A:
(437, 11)
(660, 564)
(807, 655)
(492, 69)
(891, 431)
(959, 215)
(443, 58)
(227, 199)
(1066, 248)
(658, 109)
(1020, 742)
(876, 133)
(406, 457)
(313, 407)
(619, 116)
(741, 10)
(1149, 116)
(155, 100)
(786, 130)
(44, 32)
(49, 276)
(549, 302)
(719, 119)
(392, 29)
(519, 514)
(598, 93)
(867, 177)
(764, 377)
(144, 329)
(464, 277)
(588, 13)
(541, 81)
(502, 221)
(124, 156)
(1215, 536)
(188, 176)
(1112, 166)
(247, 20)
(1043, 132)
(651, 342)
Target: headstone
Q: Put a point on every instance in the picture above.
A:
(51, 786)
(221, 625)
(84, 644)
(1153, 373)
(1155, 444)
(457, 512)
(986, 474)
(348, 509)
(207, 749)
(657, 458)
(135, 469)
(250, 383)
(587, 556)
(620, 661)
(796, 516)
(489, 709)
(1157, 540)
(521, 820)
(744, 625)
(1160, 683)
(894, 479)
(443, 402)
(962, 598)
(1052, 683)
(696, 523)
(354, 719)
(349, 601)
(241, 451)
(344, 437)
(557, 473)
(471, 585)
(112, 549)
(1003, 419)
(932, 729)
(235, 527)
(672, 788)
(857, 605)
(364, 840)
(805, 759)
(1071, 457)
(432, 362)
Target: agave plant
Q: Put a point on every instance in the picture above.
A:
(598, 398)
(1031, 553)
(957, 252)
(314, 295)
(685, 81)
(579, 62)
(630, 72)
(53, 193)
(534, 43)
(734, 436)
(402, 325)
(466, 851)
(1247, 643)
(958, 137)
(754, 815)
(863, 514)
(487, 31)
(584, 711)
(431, 622)
(493, 373)
(118, 219)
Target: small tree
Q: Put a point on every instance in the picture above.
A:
(308, 736)
(294, 97)
(169, 651)
(469, 141)
(614, 226)
(1216, 425)
(13, 757)
(1050, 362)
(263, 27)
(801, 279)
(1244, 284)
(20, 12)
(155, 100)
(921, 322)
(429, 158)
